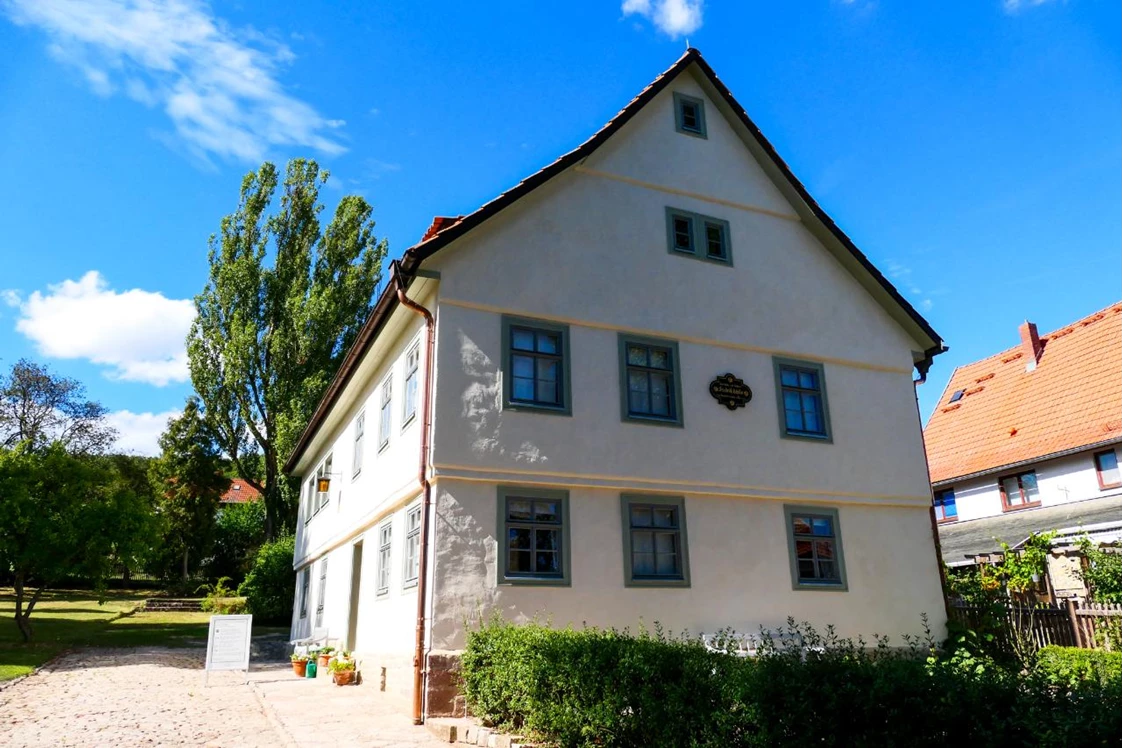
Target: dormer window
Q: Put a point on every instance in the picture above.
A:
(690, 115)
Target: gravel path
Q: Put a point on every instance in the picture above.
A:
(155, 696)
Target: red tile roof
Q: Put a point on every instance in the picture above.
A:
(240, 492)
(1008, 415)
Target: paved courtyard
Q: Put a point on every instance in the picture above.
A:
(155, 696)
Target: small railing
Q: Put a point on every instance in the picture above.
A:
(1066, 624)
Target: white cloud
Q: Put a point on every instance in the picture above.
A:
(1013, 6)
(219, 85)
(139, 433)
(673, 17)
(138, 335)
(10, 297)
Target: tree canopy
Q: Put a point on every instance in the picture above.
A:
(284, 301)
(37, 408)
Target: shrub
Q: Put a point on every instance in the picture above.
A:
(269, 586)
(238, 533)
(1070, 667)
(604, 687)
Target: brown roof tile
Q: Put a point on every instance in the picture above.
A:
(240, 492)
(1072, 399)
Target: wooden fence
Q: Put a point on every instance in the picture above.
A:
(1067, 624)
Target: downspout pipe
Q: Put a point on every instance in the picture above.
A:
(426, 493)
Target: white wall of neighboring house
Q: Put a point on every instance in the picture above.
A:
(1060, 481)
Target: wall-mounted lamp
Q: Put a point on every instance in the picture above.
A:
(323, 484)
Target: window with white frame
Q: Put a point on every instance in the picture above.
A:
(305, 583)
(384, 416)
(357, 457)
(321, 593)
(309, 499)
(323, 472)
(385, 535)
(409, 396)
(413, 546)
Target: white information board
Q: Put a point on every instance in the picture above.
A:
(228, 644)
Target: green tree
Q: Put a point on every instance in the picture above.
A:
(271, 583)
(189, 481)
(38, 408)
(1104, 571)
(61, 515)
(268, 339)
(239, 531)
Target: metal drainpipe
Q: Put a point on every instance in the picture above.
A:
(423, 477)
(931, 498)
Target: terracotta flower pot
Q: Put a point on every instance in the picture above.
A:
(344, 677)
(299, 666)
(323, 660)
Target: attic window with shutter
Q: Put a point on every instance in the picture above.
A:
(956, 397)
(690, 115)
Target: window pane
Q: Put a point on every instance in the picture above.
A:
(660, 358)
(547, 370)
(666, 565)
(715, 241)
(547, 562)
(801, 526)
(949, 508)
(548, 392)
(546, 511)
(637, 355)
(792, 401)
(806, 569)
(683, 233)
(637, 402)
(827, 570)
(808, 380)
(821, 526)
(547, 343)
(518, 509)
(1108, 465)
(1029, 486)
(660, 395)
(793, 420)
(689, 116)
(803, 549)
(643, 564)
(641, 516)
(519, 562)
(522, 389)
(665, 542)
(824, 550)
(643, 542)
(664, 517)
(546, 540)
(789, 377)
(811, 412)
(522, 366)
(518, 537)
(522, 340)
(1012, 490)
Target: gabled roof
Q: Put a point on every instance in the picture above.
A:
(240, 492)
(445, 231)
(1008, 416)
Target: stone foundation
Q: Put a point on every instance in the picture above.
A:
(443, 697)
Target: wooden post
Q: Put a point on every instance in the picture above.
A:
(1071, 604)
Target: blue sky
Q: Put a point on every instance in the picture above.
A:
(971, 149)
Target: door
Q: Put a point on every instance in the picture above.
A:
(356, 577)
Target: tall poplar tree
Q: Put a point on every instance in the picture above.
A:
(284, 302)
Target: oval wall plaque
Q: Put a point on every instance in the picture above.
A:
(730, 391)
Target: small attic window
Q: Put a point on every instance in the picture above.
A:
(690, 115)
(236, 487)
(956, 397)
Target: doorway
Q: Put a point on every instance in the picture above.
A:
(356, 577)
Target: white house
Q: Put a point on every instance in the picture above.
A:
(1028, 441)
(548, 413)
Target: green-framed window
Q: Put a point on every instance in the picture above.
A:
(699, 236)
(650, 386)
(801, 397)
(533, 533)
(535, 366)
(815, 548)
(690, 115)
(655, 544)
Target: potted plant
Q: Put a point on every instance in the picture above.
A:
(323, 656)
(299, 663)
(342, 671)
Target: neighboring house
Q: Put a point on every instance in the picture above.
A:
(588, 459)
(239, 492)
(1028, 441)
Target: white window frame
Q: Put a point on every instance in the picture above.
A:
(385, 412)
(385, 557)
(323, 498)
(322, 592)
(412, 373)
(411, 568)
(357, 455)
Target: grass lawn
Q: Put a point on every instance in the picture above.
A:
(67, 619)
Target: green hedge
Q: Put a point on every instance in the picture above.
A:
(1068, 667)
(271, 583)
(599, 687)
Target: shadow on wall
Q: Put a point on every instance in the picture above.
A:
(480, 406)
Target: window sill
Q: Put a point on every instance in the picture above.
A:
(1109, 486)
(820, 586)
(653, 420)
(534, 581)
(820, 438)
(1020, 507)
(384, 446)
(410, 585)
(409, 421)
(951, 521)
(382, 593)
(356, 474)
(517, 407)
(650, 582)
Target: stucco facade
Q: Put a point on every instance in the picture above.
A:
(586, 256)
